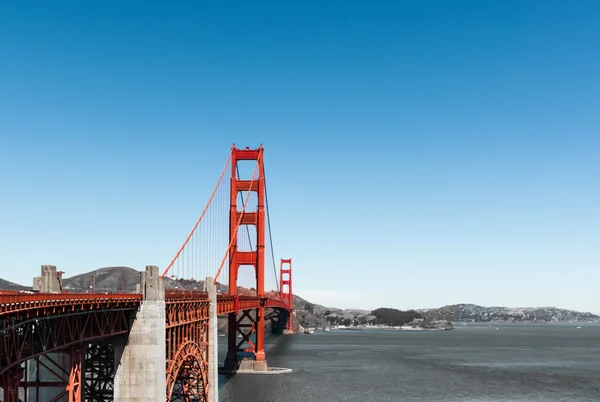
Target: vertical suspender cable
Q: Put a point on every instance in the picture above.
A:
(269, 226)
(199, 219)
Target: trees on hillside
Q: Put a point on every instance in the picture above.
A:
(393, 317)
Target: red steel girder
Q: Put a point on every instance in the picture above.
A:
(187, 356)
(9, 381)
(25, 339)
(99, 372)
(39, 304)
(74, 384)
(245, 185)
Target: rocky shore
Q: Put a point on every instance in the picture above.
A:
(421, 323)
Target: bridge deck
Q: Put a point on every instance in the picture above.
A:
(36, 304)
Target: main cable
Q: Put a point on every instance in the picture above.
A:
(269, 226)
(200, 218)
(239, 221)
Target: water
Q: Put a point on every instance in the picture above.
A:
(516, 362)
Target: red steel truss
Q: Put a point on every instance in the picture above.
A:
(37, 325)
(99, 372)
(81, 326)
(187, 347)
(24, 339)
(42, 304)
(74, 385)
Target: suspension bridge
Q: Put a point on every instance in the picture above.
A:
(158, 343)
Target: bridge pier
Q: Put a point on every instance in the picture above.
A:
(140, 375)
(50, 281)
(247, 354)
(280, 321)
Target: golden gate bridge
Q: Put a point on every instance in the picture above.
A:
(157, 344)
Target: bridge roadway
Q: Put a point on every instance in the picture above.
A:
(47, 324)
(36, 305)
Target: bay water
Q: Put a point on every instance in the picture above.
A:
(473, 362)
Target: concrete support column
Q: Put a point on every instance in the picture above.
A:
(213, 351)
(140, 375)
(50, 280)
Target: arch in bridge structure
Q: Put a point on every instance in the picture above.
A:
(279, 318)
(30, 333)
(187, 373)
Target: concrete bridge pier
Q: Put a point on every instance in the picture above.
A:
(50, 280)
(140, 374)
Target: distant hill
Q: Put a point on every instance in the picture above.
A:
(6, 285)
(116, 279)
(107, 279)
(475, 313)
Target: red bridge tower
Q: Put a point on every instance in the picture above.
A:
(285, 291)
(248, 324)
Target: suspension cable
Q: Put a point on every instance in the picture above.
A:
(269, 225)
(201, 216)
(239, 220)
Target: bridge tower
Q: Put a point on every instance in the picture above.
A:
(285, 290)
(250, 323)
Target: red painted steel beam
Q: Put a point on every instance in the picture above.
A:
(24, 302)
(34, 306)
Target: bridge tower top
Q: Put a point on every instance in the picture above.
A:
(285, 280)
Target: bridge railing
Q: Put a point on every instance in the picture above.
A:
(14, 301)
(226, 303)
(19, 301)
(178, 294)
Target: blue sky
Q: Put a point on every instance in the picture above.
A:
(418, 153)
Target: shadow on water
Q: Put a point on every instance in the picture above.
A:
(224, 379)
(276, 345)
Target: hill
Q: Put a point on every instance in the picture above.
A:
(115, 279)
(107, 279)
(475, 313)
(7, 285)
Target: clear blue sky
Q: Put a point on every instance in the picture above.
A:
(418, 153)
